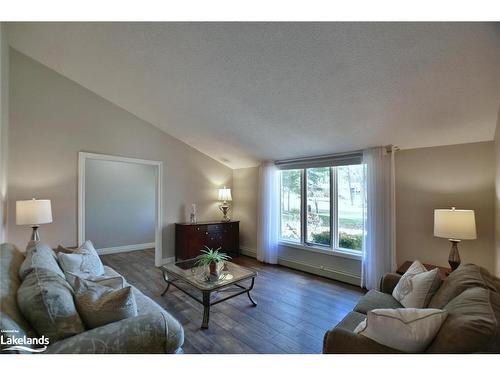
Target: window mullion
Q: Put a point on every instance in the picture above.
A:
(281, 205)
(304, 205)
(335, 206)
(332, 190)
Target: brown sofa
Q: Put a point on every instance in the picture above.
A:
(470, 295)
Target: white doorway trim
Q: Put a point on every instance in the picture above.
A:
(83, 157)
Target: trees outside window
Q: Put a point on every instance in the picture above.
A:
(291, 205)
(333, 202)
(318, 205)
(350, 206)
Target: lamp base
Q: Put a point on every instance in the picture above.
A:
(454, 257)
(34, 235)
(225, 209)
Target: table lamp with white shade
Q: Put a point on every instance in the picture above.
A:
(225, 197)
(455, 225)
(33, 212)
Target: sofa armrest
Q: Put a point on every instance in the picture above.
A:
(148, 333)
(343, 341)
(388, 282)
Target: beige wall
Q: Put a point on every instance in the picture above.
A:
(440, 177)
(52, 119)
(245, 193)
(497, 197)
(4, 121)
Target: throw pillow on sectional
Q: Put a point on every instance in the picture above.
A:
(46, 301)
(83, 260)
(39, 255)
(99, 304)
(417, 286)
(408, 330)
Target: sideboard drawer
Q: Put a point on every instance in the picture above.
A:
(197, 228)
(190, 239)
(215, 227)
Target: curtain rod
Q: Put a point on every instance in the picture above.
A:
(389, 149)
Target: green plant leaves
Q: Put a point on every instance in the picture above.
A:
(211, 256)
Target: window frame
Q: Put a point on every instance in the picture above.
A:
(284, 240)
(304, 244)
(304, 219)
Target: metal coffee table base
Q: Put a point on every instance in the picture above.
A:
(206, 296)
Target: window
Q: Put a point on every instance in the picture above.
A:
(291, 204)
(318, 206)
(323, 207)
(351, 205)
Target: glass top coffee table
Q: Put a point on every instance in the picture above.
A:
(231, 279)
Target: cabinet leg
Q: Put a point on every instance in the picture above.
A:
(206, 310)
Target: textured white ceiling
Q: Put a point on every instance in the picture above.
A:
(244, 92)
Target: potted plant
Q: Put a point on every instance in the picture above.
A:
(210, 258)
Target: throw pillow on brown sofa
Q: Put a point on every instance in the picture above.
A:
(417, 286)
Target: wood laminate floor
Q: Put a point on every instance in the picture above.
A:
(294, 308)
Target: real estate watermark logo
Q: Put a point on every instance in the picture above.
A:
(10, 341)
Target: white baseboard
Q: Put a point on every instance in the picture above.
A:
(330, 273)
(168, 260)
(346, 277)
(124, 249)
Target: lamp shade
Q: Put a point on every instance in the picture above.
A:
(455, 224)
(225, 194)
(33, 212)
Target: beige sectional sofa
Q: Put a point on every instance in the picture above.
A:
(153, 330)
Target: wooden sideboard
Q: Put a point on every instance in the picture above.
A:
(190, 239)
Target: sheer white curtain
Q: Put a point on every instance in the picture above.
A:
(268, 209)
(379, 255)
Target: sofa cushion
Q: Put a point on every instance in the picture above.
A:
(46, 301)
(146, 306)
(110, 278)
(11, 317)
(417, 286)
(39, 255)
(112, 281)
(342, 341)
(409, 330)
(471, 325)
(376, 300)
(174, 330)
(351, 321)
(84, 261)
(143, 334)
(100, 303)
(464, 277)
